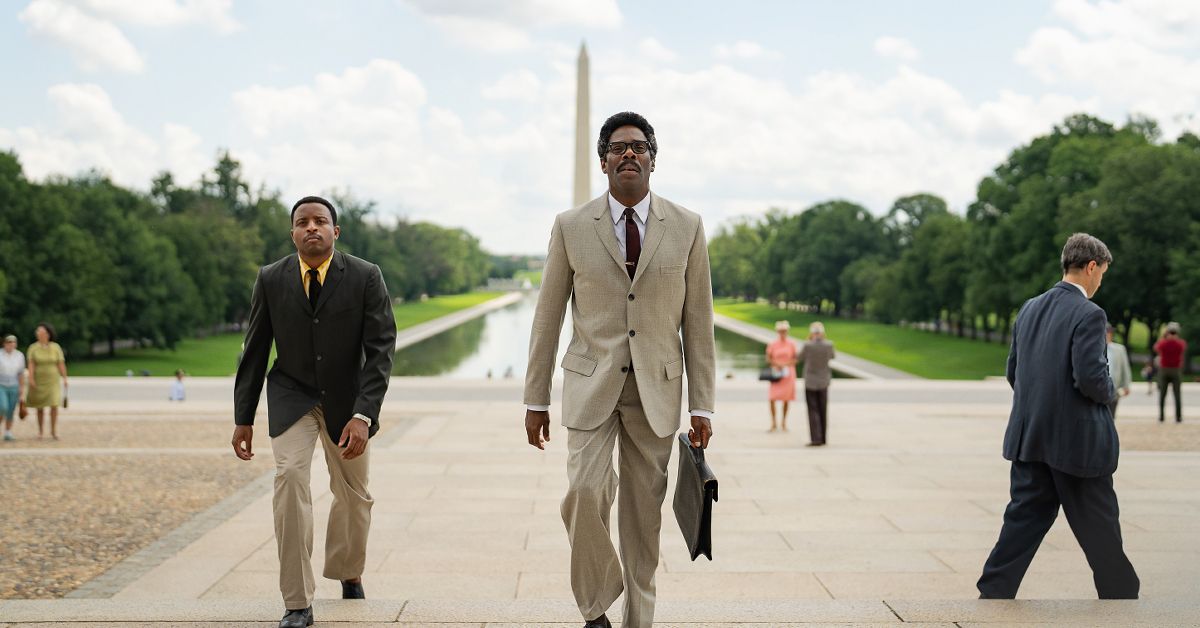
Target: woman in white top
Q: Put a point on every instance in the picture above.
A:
(12, 382)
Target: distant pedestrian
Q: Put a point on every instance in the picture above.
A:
(1061, 438)
(1171, 350)
(781, 358)
(816, 355)
(1150, 374)
(1118, 369)
(12, 383)
(47, 377)
(177, 392)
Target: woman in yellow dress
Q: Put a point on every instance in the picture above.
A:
(47, 377)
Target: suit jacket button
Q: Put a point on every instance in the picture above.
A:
(322, 393)
(316, 320)
(624, 369)
(631, 297)
(632, 333)
(318, 357)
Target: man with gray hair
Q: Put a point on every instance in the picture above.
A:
(1061, 438)
(816, 354)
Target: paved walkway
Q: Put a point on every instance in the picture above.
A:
(845, 363)
(889, 524)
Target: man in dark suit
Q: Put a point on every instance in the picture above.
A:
(330, 319)
(1061, 438)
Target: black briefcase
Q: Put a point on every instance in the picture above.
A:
(695, 492)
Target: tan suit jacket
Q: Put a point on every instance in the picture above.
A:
(618, 322)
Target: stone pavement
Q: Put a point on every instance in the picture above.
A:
(889, 524)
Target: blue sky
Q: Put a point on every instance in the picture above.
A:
(461, 112)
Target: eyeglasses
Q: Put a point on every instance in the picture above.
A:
(619, 148)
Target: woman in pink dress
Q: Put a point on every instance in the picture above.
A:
(781, 355)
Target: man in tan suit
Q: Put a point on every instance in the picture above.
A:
(637, 267)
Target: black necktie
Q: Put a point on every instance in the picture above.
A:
(633, 242)
(314, 287)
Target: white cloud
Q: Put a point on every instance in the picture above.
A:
(88, 132)
(1128, 54)
(654, 50)
(728, 137)
(522, 85)
(896, 48)
(743, 50)
(506, 26)
(214, 14)
(373, 130)
(89, 28)
(96, 44)
(1154, 23)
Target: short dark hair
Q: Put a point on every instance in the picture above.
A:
(1082, 248)
(49, 330)
(625, 118)
(319, 201)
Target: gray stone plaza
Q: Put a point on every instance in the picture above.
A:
(890, 523)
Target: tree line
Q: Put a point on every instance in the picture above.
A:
(104, 263)
(922, 262)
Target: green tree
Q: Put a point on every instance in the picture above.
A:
(1142, 208)
(908, 213)
(734, 255)
(827, 237)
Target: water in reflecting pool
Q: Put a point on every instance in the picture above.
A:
(499, 343)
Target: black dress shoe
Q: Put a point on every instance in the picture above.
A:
(599, 622)
(297, 619)
(353, 591)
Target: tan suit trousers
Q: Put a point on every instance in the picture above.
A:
(349, 515)
(597, 577)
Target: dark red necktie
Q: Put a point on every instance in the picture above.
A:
(633, 242)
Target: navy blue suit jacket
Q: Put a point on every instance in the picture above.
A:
(1058, 369)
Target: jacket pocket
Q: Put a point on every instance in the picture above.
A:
(674, 369)
(579, 364)
(672, 270)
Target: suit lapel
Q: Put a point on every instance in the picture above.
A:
(605, 231)
(295, 282)
(656, 226)
(333, 278)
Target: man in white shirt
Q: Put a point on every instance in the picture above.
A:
(12, 382)
(1118, 369)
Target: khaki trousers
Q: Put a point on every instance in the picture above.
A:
(349, 515)
(597, 577)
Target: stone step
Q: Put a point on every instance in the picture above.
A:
(718, 612)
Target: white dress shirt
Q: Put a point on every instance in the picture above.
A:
(1081, 288)
(617, 212)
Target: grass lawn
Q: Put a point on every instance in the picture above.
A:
(416, 312)
(217, 355)
(926, 354)
(534, 276)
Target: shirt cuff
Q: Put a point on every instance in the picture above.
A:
(708, 414)
(537, 408)
(363, 417)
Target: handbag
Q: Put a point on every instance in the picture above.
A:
(695, 492)
(770, 374)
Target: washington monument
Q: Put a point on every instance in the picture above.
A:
(583, 148)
